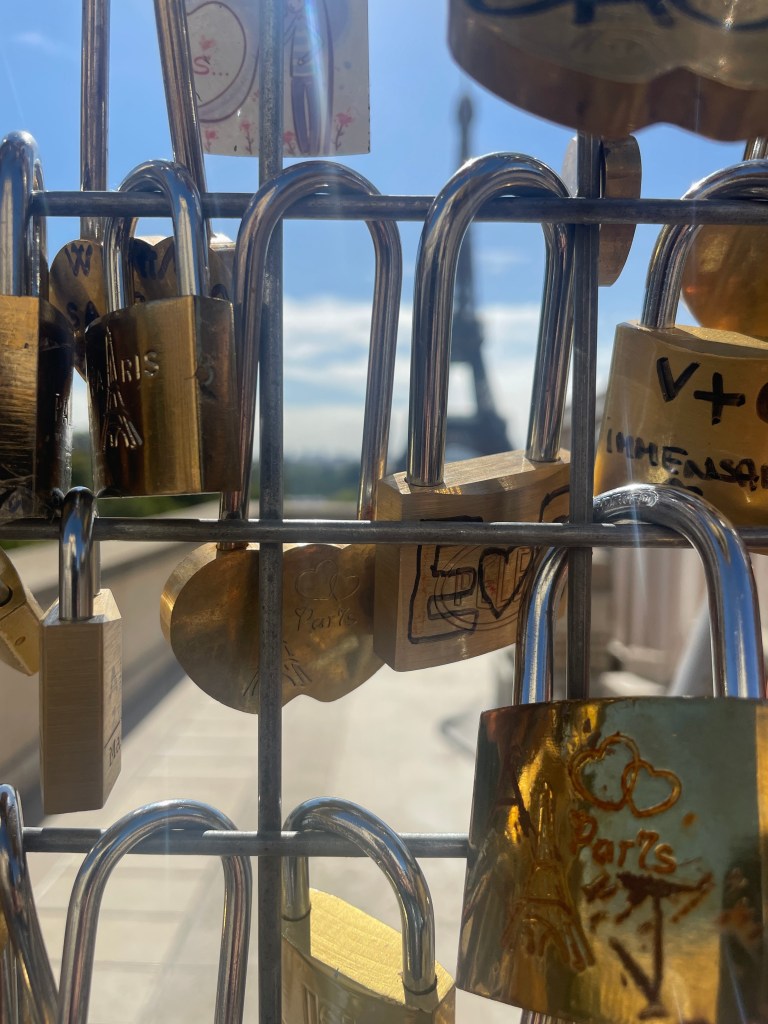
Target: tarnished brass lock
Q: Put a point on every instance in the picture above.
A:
(440, 603)
(36, 349)
(20, 619)
(617, 850)
(341, 964)
(81, 674)
(88, 889)
(327, 589)
(688, 405)
(161, 375)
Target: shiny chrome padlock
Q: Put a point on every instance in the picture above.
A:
(327, 589)
(437, 603)
(340, 964)
(617, 850)
(81, 673)
(85, 902)
(36, 349)
(688, 405)
(161, 375)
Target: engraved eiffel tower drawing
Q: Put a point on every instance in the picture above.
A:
(544, 914)
(118, 425)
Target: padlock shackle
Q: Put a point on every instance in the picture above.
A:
(737, 647)
(264, 212)
(447, 221)
(18, 908)
(23, 238)
(387, 850)
(191, 250)
(78, 556)
(744, 181)
(94, 108)
(88, 889)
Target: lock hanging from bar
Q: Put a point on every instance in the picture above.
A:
(612, 876)
(433, 603)
(342, 964)
(163, 398)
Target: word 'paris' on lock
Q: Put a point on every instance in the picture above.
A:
(161, 374)
(36, 348)
(327, 588)
(438, 603)
(340, 963)
(81, 674)
(617, 850)
(689, 405)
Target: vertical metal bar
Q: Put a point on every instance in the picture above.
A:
(271, 507)
(583, 419)
(94, 107)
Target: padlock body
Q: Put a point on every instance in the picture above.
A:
(344, 966)
(36, 358)
(436, 604)
(20, 620)
(689, 407)
(617, 861)
(80, 707)
(163, 398)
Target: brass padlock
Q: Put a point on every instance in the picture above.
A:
(161, 375)
(440, 603)
(85, 902)
(81, 674)
(688, 405)
(616, 868)
(36, 349)
(341, 964)
(20, 619)
(327, 589)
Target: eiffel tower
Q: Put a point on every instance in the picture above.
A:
(484, 432)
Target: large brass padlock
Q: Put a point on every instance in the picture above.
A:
(341, 964)
(36, 349)
(688, 405)
(80, 673)
(161, 375)
(617, 850)
(440, 603)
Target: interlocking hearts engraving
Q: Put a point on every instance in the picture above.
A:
(636, 772)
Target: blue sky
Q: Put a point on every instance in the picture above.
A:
(415, 86)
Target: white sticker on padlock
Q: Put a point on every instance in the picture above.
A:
(326, 89)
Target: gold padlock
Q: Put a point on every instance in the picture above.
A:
(81, 674)
(161, 375)
(688, 405)
(341, 964)
(20, 619)
(36, 349)
(327, 589)
(617, 850)
(440, 603)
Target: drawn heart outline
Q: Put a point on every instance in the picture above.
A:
(629, 780)
(593, 755)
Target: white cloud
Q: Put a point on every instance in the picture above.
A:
(40, 42)
(499, 261)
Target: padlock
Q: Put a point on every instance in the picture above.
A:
(616, 868)
(688, 405)
(161, 375)
(81, 674)
(437, 603)
(327, 589)
(611, 68)
(36, 349)
(35, 998)
(341, 964)
(88, 889)
(20, 619)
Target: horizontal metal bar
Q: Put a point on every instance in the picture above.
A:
(414, 208)
(252, 844)
(344, 531)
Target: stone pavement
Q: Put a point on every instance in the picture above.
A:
(402, 745)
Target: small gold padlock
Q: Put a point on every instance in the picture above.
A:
(20, 619)
(161, 375)
(688, 405)
(440, 603)
(36, 349)
(80, 673)
(341, 964)
(617, 850)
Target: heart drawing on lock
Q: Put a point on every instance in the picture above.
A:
(641, 787)
(224, 56)
(494, 569)
(326, 582)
